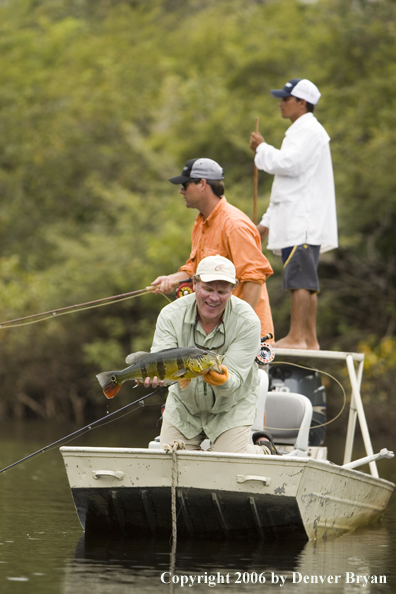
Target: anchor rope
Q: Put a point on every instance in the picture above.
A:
(173, 503)
(176, 445)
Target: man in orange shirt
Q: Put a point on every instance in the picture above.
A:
(222, 229)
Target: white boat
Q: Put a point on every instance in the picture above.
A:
(298, 495)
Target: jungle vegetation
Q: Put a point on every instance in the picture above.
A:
(101, 102)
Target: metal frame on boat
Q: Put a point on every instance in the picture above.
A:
(129, 490)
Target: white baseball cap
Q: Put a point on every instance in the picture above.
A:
(214, 268)
(301, 88)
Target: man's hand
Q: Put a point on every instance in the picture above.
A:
(148, 381)
(255, 140)
(214, 378)
(166, 284)
(163, 284)
(263, 231)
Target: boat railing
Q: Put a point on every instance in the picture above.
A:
(354, 363)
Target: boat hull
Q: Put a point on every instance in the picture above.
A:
(201, 513)
(128, 491)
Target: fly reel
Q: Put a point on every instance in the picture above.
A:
(266, 354)
(184, 288)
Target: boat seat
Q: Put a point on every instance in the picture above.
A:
(288, 418)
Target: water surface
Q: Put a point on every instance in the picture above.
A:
(43, 550)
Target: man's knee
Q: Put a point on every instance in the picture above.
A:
(234, 441)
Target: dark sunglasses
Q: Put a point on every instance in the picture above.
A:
(192, 181)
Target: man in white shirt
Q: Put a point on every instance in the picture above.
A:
(301, 219)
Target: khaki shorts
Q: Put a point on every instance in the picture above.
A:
(300, 267)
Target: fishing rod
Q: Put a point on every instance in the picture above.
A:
(75, 434)
(34, 318)
(255, 182)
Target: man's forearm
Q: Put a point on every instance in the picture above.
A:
(263, 231)
(251, 293)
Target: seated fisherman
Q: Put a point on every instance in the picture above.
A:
(218, 406)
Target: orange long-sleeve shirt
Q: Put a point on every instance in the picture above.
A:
(227, 231)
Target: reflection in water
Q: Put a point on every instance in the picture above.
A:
(364, 552)
(142, 563)
(121, 566)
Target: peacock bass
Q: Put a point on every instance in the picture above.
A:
(169, 365)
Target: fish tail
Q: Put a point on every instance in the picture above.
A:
(108, 381)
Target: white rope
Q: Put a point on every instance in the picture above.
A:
(176, 445)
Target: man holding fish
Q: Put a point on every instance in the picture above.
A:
(205, 345)
(221, 403)
(221, 228)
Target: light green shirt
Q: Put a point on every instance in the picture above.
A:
(201, 407)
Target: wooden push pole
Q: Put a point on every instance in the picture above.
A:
(255, 183)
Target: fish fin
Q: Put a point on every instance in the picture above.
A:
(108, 383)
(184, 383)
(134, 357)
(180, 373)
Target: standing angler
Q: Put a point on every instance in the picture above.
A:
(301, 219)
(223, 229)
(220, 406)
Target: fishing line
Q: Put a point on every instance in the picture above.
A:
(83, 430)
(324, 373)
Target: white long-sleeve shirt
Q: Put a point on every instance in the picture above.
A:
(302, 207)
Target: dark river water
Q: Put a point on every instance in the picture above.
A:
(43, 550)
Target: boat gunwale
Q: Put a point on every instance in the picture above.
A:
(324, 465)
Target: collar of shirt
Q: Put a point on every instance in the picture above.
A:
(191, 314)
(301, 121)
(215, 212)
(220, 328)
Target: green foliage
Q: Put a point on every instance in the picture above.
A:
(101, 102)
(379, 368)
